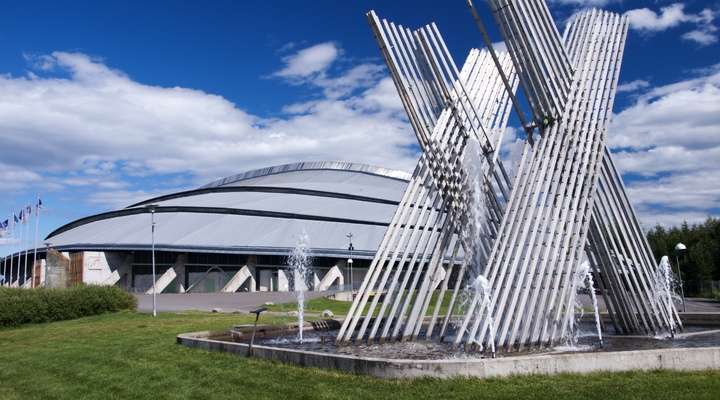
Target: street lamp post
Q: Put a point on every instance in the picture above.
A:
(350, 261)
(151, 208)
(679, 248)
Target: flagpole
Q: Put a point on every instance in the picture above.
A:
(22, 240)
(4, 270)
(27, 240)
(5, 228)
(12, 222)
(20, 246)
(37, 224)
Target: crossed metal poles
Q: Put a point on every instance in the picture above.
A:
(567, 196)
(426, 231)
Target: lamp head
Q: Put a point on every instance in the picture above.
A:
(680, 247)
(258, 311)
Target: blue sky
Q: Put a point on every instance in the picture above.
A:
(106, 103)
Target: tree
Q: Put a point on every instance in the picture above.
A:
(701, 263)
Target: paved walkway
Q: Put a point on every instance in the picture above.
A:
(700, 305)
(227, 302)
(692, 304)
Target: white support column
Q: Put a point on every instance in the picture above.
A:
(163, 281)
(282, 281)
(243, 275)
(333, 274)
(316, 280)
(439, 277)
(112, 279)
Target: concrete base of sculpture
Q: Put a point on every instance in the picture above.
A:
(681, 359)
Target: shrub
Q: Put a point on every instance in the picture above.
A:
(23, 306)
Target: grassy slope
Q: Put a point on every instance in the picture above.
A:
(129, 355)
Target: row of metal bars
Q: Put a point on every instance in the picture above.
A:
(567, 197)
(631, 291)
(546, 73)
(539, 246)
(443, 103)
(617, 247)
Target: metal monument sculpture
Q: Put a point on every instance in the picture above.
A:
(509, 248)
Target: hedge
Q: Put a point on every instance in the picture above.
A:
(23, 306)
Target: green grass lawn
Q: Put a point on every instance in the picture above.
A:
(338, 308)
(133, 356)
(317, 305)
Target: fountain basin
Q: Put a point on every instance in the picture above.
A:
(685, 356)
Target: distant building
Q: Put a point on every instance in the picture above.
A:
(234, 234)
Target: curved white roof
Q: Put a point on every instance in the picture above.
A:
(259, 212)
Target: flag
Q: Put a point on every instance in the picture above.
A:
(39, 204)
(4, 224)
(16, 218)
(28, 210)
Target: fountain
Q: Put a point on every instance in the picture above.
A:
(520, 239)
(481, 287)
(590, 285)
(664, 289)
(583, 282)
(476, 255)
(299, 262)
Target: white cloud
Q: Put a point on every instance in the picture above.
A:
(359, 77)
(15, 177)
(648, 21)
(101, 182)
(500, 46)
(8, 241)
(703, 37)
(122, 198)
(670, 138)
(311, 65)
(382, 96)
(633, 86)
(86, 124)
(653, 217)
(40, 62)
(684, 114)
(511, 149)
(309, 61)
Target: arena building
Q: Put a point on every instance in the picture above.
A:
(234, 234)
